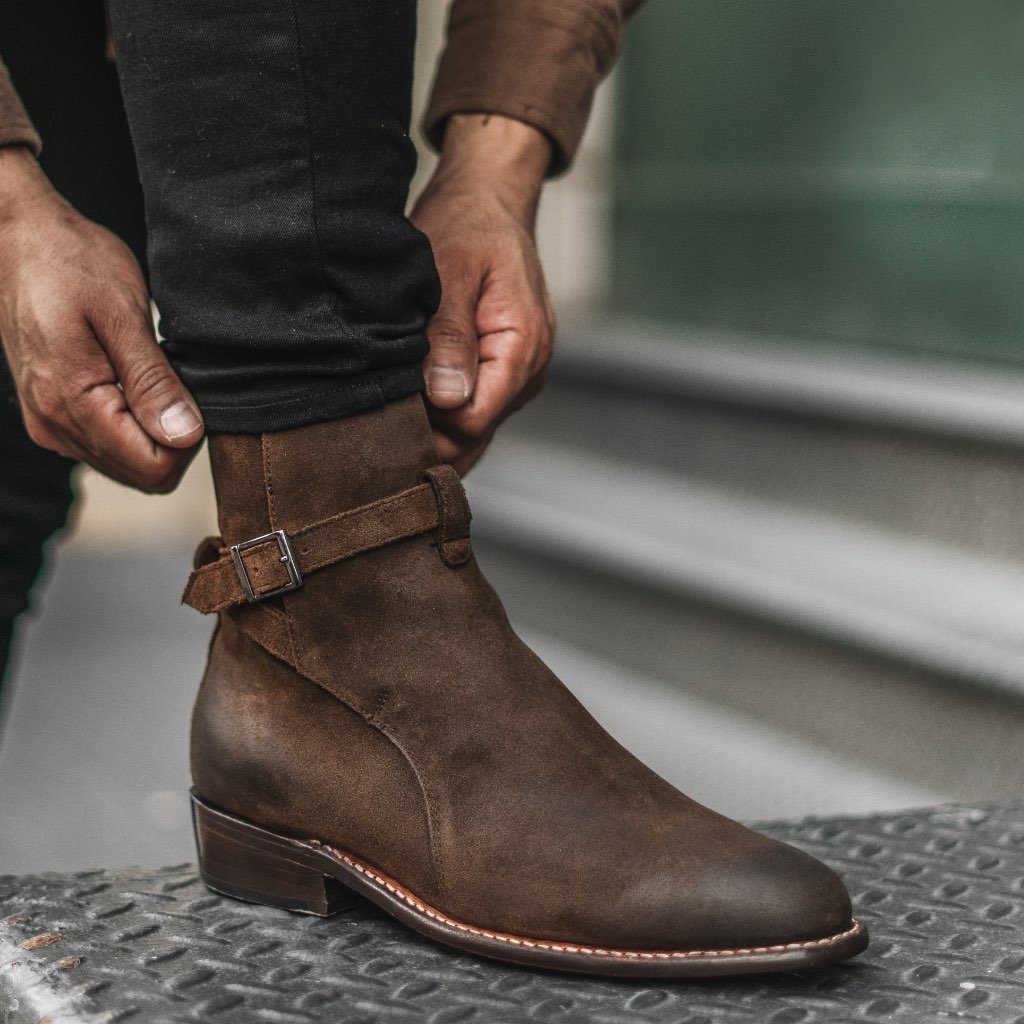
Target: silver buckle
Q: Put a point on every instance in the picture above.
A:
(287, 559)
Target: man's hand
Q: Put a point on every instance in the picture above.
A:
(76, 327)
(491, 338)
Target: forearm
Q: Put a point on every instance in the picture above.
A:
(498, 155)
(23, 185)
(22, 182)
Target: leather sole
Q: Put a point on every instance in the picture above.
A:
(246, 861)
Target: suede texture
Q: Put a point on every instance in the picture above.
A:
(480, 781)
(256, 724)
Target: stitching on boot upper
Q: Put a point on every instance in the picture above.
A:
(293, 651)
(435, 860)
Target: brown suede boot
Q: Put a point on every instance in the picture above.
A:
(370, 722)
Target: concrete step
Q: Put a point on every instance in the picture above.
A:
(940, 608)
(737, 763)
(897, 653)
(920, 447)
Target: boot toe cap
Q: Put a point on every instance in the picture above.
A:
(772, 895)
(777, 896)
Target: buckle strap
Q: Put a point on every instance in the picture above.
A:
(275, 563)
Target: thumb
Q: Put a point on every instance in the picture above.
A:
(153, 391)
(450, 367)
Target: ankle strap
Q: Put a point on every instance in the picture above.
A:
(276, 562)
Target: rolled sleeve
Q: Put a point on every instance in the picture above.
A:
(538, 61)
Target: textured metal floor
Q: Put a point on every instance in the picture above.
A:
(941, 890)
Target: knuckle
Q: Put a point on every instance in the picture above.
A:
(43, 396)
(545, 332)
(157, 479)
(544, 354)
(534, 339)
(535, 326)
(519, 364)
(47, 407)
(164, 485)
(124, 317)
(38, 432)
(475, 426)
(529, 393)
(449, 334)
(149, 382)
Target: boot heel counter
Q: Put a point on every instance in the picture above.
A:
(205, 738)
(232, 731)
(198, 739)
(274, 748)
(240, 859)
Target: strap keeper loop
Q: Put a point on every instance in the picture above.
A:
(454, 515)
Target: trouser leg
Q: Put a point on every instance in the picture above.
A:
(273, 145)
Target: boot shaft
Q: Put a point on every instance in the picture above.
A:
(289, 479)
(383, 705)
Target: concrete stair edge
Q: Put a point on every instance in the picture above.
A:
(922, 394)
(937, 608)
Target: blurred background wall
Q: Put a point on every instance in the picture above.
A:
(764, 519)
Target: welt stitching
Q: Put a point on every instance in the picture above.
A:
(268, 481)
(272, 516)
(513, 940)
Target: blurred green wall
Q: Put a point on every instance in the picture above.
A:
(836, 169)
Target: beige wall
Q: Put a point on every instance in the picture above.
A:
(572, 233)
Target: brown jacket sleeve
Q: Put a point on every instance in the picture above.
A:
(15, 126)
(538, 61)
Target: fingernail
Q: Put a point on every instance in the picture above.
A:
(179, 420)
(447, 382)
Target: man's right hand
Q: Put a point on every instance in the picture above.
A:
(75, 324)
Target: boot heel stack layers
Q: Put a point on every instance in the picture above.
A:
(370, 725)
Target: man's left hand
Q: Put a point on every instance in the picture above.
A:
(492, 336)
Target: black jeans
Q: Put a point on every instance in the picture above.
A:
(272, 138)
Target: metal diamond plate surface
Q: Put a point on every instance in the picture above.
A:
(942, 891)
